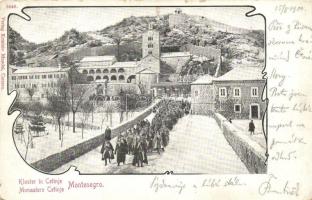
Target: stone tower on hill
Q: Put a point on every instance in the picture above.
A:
(177, 19)
(151, 42)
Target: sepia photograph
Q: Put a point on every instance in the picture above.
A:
(139, 90)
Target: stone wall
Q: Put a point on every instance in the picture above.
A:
(202, 99)
(55, 161)
(229, 29)
(249, 151)
(207, 51)
(113, 89)
(177, 19)
(176, 62)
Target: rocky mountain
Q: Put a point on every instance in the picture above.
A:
(124, 40)
(18, 47)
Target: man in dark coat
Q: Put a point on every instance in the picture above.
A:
(107, 151)
(121, 151)
(135, 149)
(108, 134)
(144, 148)
(165, 135)
(149, 138)
(130, 141)
(251, 127)
(138, 154)
(157, 142)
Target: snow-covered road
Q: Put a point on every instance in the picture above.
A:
(196, 145)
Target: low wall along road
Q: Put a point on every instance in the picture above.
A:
(55, 161)
(249, 151)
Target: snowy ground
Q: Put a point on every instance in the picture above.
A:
(196, 145)
(258, 136)
(46, 145)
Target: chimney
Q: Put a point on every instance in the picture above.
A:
(59, 66)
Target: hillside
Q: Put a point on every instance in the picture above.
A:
(18, 47)
(124, 40)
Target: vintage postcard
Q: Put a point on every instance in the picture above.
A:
(156, 99)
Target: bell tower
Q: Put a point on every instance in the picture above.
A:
(150, 42)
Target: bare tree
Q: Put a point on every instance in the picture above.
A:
(92, 108)
(36, 109)
(105, 109)
(127, 101)
(77, 91)
(86, 109)
(19, 130)
(58, 103)
(28, 142)
(103, 119)
(109, 111)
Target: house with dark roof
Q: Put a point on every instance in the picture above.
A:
(236, 95)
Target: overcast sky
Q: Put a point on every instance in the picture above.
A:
(50, 23)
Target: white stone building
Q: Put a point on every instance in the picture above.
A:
(154, 68)
(40, 79)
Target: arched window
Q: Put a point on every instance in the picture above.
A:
(121, 78)
(99, 100)
(90, 78)
(121, 70)
(113, 78)
(98, 71)
(131, 79)
(113, 71)
(97, 78)
(105, 71)
(85, 71)
(91, 71)
(105, 77)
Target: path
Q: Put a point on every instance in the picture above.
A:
(196, 145)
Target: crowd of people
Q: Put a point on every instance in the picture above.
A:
(145, 137)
